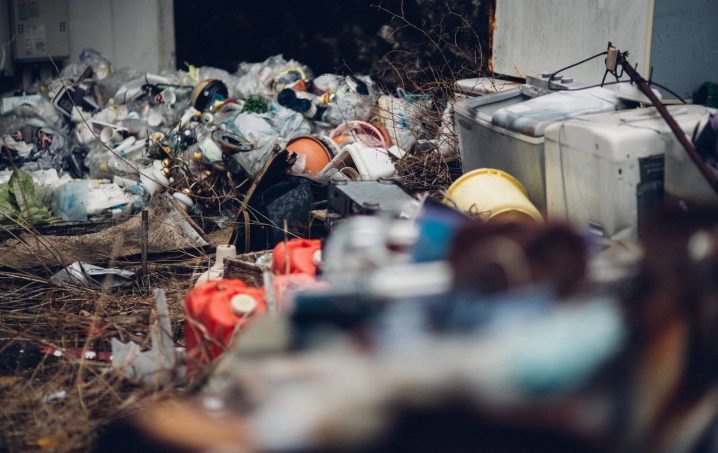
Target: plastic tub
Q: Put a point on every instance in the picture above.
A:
(317, 154)
(494, 196)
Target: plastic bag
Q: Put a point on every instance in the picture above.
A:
(101, 66)
(79, 200)
(268, 77)
(275, 127)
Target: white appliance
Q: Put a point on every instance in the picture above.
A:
(505, 130)
(40, 29)
(605, 172)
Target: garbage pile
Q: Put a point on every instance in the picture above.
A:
(349, 310)
(400, 333)
(99, 142)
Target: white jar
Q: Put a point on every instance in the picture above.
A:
(216, 272)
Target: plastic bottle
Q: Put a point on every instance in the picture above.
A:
(216, 271)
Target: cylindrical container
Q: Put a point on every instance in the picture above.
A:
(216, 271)
(317, 154)
(109, 134)
(296, 256)
(493, 196)
(184, 200)
(126, 143)
(213, 312)
(151, 177)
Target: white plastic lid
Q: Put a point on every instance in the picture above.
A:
(243, 304)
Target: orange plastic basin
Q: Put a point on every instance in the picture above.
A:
(318, 156)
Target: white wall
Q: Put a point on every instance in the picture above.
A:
(136, 33)
(534, 36)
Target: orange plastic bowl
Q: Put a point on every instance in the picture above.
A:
(318, 156)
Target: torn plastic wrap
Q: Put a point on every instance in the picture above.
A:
(101, 66)
(268, 77)
(80, 200)
(34, 138)
(264, 131)
(156, 365)
(89, 275)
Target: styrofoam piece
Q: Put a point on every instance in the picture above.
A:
(605, 172)
(370, 163)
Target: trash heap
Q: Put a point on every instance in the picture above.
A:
(100, 142)
(361, 293)
(399, 324)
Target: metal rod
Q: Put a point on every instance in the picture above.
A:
(145, 239)
(645, 88)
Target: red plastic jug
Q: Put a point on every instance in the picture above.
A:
(295, 256)
(213, 312)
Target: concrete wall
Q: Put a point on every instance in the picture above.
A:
(684, 46)
(5, 36)
(136, 33)
(534, 36)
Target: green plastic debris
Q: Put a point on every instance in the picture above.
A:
(19, 203)
(255, 104)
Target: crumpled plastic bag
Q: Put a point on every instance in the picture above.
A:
(101, 66)
(275, 127)
(197, 74)
(349, 104)
(102, 163)
(79, 200)
(268, 77)
(152, 366)
(19, 203)
(36, 136)
(89, 275)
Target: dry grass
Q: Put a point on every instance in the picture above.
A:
(62, 317)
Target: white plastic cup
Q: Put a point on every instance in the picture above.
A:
(184, 200)
(169, 97)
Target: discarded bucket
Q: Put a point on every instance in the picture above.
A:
(361, 131)
(493, 196)
(317, 154)
(296, 256)
(213, 312)
(207, 92)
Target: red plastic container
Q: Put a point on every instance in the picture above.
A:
(213, 312)
(295, 256)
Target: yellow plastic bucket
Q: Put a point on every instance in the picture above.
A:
(493, 196)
